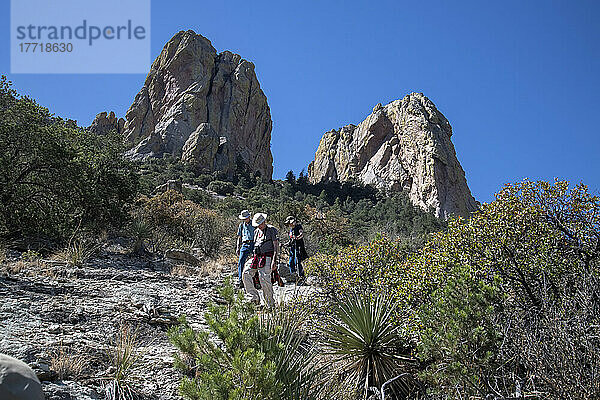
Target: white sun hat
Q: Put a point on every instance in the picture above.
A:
(244, 214)
(258, 219)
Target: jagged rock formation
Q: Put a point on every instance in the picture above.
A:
(205, 107)
(404, 145)
(107, 122)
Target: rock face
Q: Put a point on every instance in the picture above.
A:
(18, 381)
(204, 107)
(403, 146)
(107, 122)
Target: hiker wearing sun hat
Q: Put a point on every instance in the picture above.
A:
(297, 248)
(266, 249)
(245, 242)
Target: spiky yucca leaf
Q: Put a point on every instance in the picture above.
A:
(364, 340)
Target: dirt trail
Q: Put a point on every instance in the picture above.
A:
(46, 309)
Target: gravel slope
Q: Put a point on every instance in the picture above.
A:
(50, 312)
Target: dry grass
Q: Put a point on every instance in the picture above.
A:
(206, 268)
(211, 268)
(66, 363)
(227, 258)
(124, 354)
(226, 262)
(30, 268)
(183, 270)
(78, 252)
(17, 267)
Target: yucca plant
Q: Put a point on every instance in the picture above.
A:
(140, 230)
(364, 341)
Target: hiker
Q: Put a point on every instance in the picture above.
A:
(245, 243)
(297, 248)
(266, 250)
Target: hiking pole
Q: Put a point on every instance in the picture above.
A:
(382, 397)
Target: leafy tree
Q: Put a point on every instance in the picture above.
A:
(55, 177)
(531, 259)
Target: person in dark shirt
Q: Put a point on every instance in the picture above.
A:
(264, 261)
(297, 248)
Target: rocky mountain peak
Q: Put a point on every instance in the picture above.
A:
(204, 107)
(402, 146)
(105, 123)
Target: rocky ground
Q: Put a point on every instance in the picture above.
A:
(65, 320)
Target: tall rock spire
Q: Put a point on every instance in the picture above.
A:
(194, 96)
(403, 146)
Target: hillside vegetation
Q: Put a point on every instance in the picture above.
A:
(503, 305)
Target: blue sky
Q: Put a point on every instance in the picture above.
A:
(518, 80)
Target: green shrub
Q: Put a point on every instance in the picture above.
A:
(537, 246)
(258, 357)
(222, 188)
(380, 266)
(460, 330)
(327, 232)
(30, 256)
(156, 171)
(57, 177)
(199, 197)
(176, 222)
